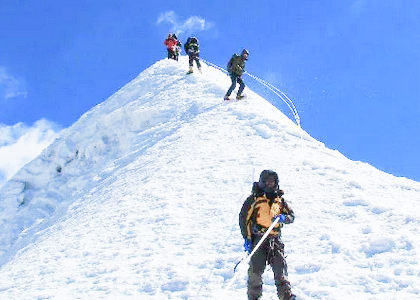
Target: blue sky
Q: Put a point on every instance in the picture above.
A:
(352, 68)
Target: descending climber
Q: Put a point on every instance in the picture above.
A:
(191, 47)
(264, 205)
(236, 67)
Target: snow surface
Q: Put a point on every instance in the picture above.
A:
(139, 199)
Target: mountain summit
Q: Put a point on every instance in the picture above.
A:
(139, 199)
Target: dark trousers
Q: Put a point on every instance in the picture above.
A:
(236, 78)
(173, 54)
(192, 58)
(270, 252)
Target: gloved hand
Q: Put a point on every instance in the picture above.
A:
(281, 217)
(247, 245)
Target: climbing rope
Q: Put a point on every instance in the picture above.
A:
(272, 88)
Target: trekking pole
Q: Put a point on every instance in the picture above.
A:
(248, 257)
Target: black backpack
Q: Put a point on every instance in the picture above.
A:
(190, 40)
(231, 61)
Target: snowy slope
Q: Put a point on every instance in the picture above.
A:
(139, 199)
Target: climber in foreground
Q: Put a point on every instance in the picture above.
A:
(173, 46)
(258, 212)
(191, 47)
(236, 68)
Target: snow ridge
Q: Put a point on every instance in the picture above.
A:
(139, 199)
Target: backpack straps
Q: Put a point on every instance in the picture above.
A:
(250, 218)
(252, 224)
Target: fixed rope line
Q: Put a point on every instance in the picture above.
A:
(280, 94)
(292, 108)
(214, 66)
(272, 88)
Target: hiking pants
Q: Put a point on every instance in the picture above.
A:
(271, 251)
(236, 78)
(192, 58)
(172, 54)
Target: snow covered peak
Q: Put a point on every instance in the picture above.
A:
(149, 109)
(139, 199)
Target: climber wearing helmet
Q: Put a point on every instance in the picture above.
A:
(235, 68)
(264, 205)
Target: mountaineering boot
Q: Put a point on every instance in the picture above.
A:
(290, 297)
(190, 70)
(239, 97)
(226, 98)
(284, 291)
